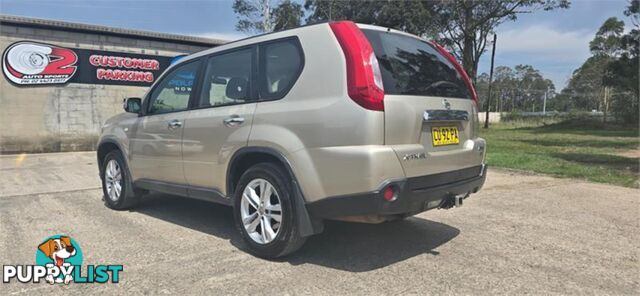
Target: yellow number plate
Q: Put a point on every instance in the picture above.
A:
(445, 135)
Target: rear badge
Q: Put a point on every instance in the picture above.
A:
(425, 115)
(446, 104)
(414, 156)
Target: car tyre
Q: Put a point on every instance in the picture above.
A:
(119, 193)
(265, 208)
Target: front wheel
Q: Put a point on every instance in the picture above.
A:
(264, 212)
(118, 190)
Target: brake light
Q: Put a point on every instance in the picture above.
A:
(364, 79)
(460, 70)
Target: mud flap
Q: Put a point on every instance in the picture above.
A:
(307, 224)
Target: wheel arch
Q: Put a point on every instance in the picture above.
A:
(245, 157)
(248, 156)
(104, 147)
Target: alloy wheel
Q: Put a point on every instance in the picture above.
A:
(113, 180)
(261, 211)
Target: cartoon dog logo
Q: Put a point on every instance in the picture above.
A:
(58, 249)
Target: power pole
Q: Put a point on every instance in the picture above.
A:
(486, 105)
(544, 103)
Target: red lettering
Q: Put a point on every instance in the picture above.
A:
(94, 60)
(100, 74)
(154, 65)
(123, 62)
(124, 75)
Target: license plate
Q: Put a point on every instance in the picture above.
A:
(445, 135)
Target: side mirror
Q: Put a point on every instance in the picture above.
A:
(132, 105)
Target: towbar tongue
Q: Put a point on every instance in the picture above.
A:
(454, 200)
(459, 198)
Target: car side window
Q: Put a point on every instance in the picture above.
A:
(227, 79)
(173, 92)
(281, 65)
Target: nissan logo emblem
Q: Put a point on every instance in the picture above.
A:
(446, 104)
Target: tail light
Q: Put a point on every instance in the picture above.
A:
(460, 70)
(364, 80)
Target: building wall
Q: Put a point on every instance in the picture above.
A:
(67, 117)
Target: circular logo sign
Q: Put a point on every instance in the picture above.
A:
(28, 62)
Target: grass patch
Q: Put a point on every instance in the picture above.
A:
(585, 150)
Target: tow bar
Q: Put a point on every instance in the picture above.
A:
(454, 200)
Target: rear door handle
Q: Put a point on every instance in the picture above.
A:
(174, 124)
(233, 120)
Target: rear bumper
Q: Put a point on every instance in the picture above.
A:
(415, 195)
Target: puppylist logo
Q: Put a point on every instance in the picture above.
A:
(59, 261)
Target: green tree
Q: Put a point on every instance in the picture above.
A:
(504, 85)
(264, 16)
(287, 15)
(608, 80)
(591, 85)
(561, 102)
(586, 84)
(467, 24)
(482, 88)
(503, 88)
(624, 71)
(633, 11)
(406, 15)
(608, 39)
(530, 88)
(625, 101)
(520, 89)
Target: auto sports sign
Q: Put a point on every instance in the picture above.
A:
(29, 63)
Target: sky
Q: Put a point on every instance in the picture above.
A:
(554, 42)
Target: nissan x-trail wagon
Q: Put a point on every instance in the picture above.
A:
(329, 121)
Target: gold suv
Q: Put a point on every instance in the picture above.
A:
(328, 121)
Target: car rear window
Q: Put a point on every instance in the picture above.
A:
(411, 66)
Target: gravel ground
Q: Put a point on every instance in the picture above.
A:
(521, 234)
